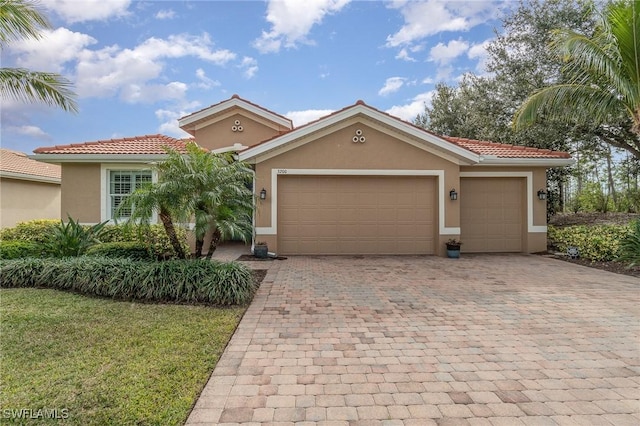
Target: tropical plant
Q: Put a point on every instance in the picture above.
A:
(210, 189)
(20, 19)
(72, 238)
(630, 245)
(603, 89)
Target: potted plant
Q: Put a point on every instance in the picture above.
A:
(261, 250)
(453, 248)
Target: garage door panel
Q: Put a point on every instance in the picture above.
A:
(491, 214)
(370, 215)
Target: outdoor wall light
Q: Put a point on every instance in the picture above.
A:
(263, 194)
(542, 195)
(453, 195)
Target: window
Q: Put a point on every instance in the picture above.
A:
(121, 184)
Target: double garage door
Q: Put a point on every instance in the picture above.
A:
(394, 214)
(356, 214)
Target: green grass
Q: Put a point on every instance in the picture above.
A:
(106, 362)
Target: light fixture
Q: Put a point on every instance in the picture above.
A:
(263, 194)
(542, 195)
(453, 195)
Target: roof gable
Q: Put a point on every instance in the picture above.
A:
(428, 140)
(188, 123)
(461, 150)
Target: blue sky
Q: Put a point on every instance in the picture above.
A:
(138, 66)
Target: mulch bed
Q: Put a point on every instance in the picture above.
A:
(252, 258)
(616, 267)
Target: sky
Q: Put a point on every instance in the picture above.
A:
(138, 66)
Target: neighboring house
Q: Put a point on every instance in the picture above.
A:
(29, 189)
(358, 181)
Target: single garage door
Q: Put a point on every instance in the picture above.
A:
(491, 214)
(356, 215)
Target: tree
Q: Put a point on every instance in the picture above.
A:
(210, 189)
(603, 89)
(20, 19)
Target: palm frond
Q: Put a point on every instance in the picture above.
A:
(624, 22)
(33, 86)
(567, 103)
(20, 20)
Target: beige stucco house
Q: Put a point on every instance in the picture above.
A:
(29, 189)
(358, 181)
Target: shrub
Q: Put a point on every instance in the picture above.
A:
(123, 250)
(597, 242)
(37, 231)
(153, 236)
(73, 239)
(184, 281)
(19, 249)
(630, 245)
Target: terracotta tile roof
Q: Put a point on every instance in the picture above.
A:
(147, 144)
(18, 162)
(235, 96)
(504, 150)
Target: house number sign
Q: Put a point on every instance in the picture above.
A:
(282, 171)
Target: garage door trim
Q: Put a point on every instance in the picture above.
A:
(529, 178)
(273, 229)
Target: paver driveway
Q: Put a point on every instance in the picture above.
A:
(424, 340)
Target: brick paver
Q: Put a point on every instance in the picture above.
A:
(484, 339)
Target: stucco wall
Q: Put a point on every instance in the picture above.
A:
(81, 192)
(22, 200)
(218, 132)
(335, 150)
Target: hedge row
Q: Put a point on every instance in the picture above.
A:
(184, 281)
(596, 242)
(152, 236)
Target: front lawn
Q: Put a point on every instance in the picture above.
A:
(105, 362)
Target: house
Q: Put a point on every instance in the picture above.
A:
(29, 189)
(357, 181)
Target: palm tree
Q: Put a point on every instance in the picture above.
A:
(604, 78)
(210, 189)
(22, 20)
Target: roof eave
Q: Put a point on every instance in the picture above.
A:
(535, 162)
(26, 176)
(98, 158)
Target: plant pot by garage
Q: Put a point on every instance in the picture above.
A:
(453, 248)
(261, 250)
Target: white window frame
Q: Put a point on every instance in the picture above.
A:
(105, 193)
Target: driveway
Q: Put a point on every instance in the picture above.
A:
(485, 339)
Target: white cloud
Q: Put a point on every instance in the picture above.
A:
(426, 18)
(393, 84)
(56, 48)
(169, 119)
(112, 70)
(404, 55)
(410, 111)
(73, 11)
(250, 66)
(30, 131)
(292, 20)
(445, 53)
(205, 82)
(479, 53)
(302, 117)
(165, 14)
